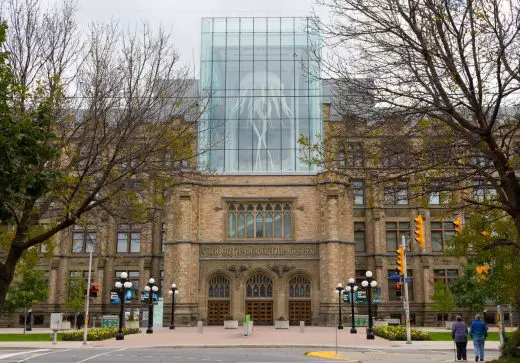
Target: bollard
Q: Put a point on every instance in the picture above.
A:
(200, 327)
(302, 327)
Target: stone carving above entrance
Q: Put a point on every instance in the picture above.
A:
(238, 270)
(256, 251)
(280, 269)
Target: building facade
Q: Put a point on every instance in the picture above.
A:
(267, 234)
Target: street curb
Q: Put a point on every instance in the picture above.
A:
(93, 345)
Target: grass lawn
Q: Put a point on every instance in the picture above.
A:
(37, 337)
(446, 335)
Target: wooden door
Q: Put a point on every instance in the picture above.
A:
(217, 311)
(300, 310)
(261, 311)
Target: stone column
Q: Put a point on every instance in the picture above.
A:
(181, 259)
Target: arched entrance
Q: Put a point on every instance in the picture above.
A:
(218, 300)
(300, 300)
(259, 299)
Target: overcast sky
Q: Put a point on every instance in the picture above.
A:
(182, 17)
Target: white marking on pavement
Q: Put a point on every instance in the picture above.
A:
(99, 355)
(38, 355)
(9, 355)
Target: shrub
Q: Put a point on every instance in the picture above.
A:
(511, 347)
(96, 334)
(399, 333)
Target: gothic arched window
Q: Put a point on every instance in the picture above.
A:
(259, 286)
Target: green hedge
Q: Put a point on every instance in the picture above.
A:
(511, 348)
(399, 333)
(96, 334)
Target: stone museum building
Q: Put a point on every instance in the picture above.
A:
(267, 234)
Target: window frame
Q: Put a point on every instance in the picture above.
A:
(130, 231)
(85, 234)
(399, 231)
(358, 189)
(360, 226)
(445, 233)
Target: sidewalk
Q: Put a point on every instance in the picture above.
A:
(216, 336)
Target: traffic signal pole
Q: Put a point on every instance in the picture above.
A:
(406, 302)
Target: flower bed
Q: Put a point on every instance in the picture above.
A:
(399, 333)
(96, 334)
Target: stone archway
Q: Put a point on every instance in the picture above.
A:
(300, 300)
(219, 300)
(259, 299)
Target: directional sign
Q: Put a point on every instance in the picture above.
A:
(409, 279)
(394, 277)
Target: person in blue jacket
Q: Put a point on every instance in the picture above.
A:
(478, 332)
(459, 332)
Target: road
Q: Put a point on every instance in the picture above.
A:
(221, 355)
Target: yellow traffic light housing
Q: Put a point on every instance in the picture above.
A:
(419, 230)
(458, 224)
(400, 260)
(482, 272)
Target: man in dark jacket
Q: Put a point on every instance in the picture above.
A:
(459, 334)
(478, 332)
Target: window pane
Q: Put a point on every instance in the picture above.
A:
(268, 225)
(277, 225)
(241, 226)
(77, 242)
(435, 198)
(359, 238)
(391, 240)
(232, 226)
(122, 242)
(259, 226)
(250, 226)
(135, 245)
(437, 241)
(391, 225)
(287, 228)
(436, 225)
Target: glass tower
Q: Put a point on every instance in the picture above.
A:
(264, 89)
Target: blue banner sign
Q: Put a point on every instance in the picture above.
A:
(360, 296)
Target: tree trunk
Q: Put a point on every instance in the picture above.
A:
(24, 319)
(7, 270)
(76, 320)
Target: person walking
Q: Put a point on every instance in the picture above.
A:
(478, 333)
(459, 334)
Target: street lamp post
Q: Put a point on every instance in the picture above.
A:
(352, 288)
(368, 285)
(339, 290)
(173, 291)
(122, 285)
(150, 288)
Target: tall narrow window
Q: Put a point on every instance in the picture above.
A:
(355, 155)
(358, 191)
(83, 238)
(259, 220)
(441, 232)
(394, 233)
(359, 236)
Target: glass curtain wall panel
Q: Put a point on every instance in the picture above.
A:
(264, 93)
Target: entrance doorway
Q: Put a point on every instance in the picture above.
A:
(300, 300)
(259, 299)
(218, 300)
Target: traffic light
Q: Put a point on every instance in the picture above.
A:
(398, 290)
(482, 272)
(458, 224)
(419, 230)
(94, 290)
(400, 260)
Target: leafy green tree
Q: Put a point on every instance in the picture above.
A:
(76, 298)
(442, 298)
(87, 126)
(468, 291)
(31, 289)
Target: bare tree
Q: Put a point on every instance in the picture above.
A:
(430, 87)
(122, 117)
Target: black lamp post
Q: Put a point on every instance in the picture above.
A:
(339, 290)
(150, 288)
(173, 291)
(368, 284)
(352, 288)
(122, 285)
